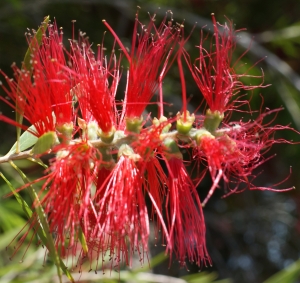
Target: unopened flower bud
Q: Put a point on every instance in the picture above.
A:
(90, 129)
(107, 137)
(66, 131)
(184, 122)
(212, 120)
(134, 124)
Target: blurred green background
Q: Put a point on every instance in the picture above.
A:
(250, 236)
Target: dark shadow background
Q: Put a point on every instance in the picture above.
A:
(250, 235)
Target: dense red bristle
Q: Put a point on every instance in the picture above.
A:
(155, 187)
(122, 212)
(183, 87)
(50, 60)
(48, 94)
(215, 73)
(148, 60)
(185, 217)
(67, 197)
(234, 155)
(32, 100)
(96, 99)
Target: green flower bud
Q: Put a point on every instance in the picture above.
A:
(184, 122)
(109, 136)
(134, 124)
(212, 120)
(66, 131)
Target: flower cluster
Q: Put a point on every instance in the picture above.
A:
(115, 169)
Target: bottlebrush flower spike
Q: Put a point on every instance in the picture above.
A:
(235, 150)
(150, 53)
(50, 62)
(68, 192)
(184, 215)
(32, 100)
(96, 98)
(149, 148)
(46, 101)
(214, 72)
(121, 213)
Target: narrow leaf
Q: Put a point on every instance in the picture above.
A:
(288, 275)
(83, 241)
(46, 236)
(19, 199)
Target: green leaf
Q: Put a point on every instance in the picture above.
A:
(38, 161)
(37, 40)
(42, 226)
(20, 200)
(44, 143)
(202, 277)
(26, 140)
(83, 241)
(27, 64)
(287, 275)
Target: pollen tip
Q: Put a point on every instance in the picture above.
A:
(212, 14)
(103, 21)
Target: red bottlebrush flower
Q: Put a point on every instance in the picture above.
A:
(121, 216)
(185, 217)
(150, 53)
(235, 151)
(214, 71)
(33, 101)
(50, 62)
(154, 184)
(48, 93)
(68, 192)
(96, 98)
(148, 147)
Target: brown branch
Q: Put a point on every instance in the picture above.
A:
(16, 156)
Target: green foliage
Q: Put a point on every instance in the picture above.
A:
(287, 275)
(27, 139)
